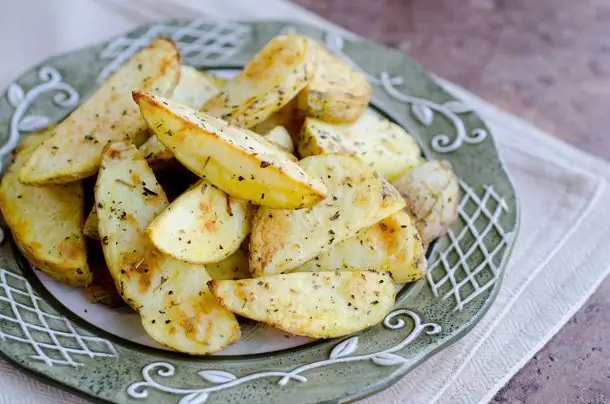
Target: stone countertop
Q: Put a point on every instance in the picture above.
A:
(547, 61)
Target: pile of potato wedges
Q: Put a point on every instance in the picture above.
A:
(276, 195)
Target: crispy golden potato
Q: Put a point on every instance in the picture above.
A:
(432, 196)
(109, 115)
(337, 93)
(268, 82)
(193, 89)
(378, 142)
(391, 244)
(46, 222)
(90, 229)
(172, 297)
(319, 304)
(280, 137)
(238, 161)
(234, 267)
(358, 197)
(202, 225)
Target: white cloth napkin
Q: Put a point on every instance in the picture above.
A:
(558, 262)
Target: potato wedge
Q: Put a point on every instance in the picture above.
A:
(46, 222)
(391, 244)
(172, 297)
(234, 267)
(90, 229)
(381, 144)
(337, 93)
(432, 196)
(319, 304)
(109, 115)
(280, 137)
(238, 161)
(193, 89)
(358, 197)
(217, 80)
(272, 78)
(288, 117)
(202, 225)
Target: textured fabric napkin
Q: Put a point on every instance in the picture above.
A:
(558, 261)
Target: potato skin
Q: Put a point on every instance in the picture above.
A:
(318, 305)
(46, 222)
(74, 152)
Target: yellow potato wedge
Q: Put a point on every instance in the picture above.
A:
(90, 229)
(272, 78)
(234, 267)
(46, 222)
(337, 93)
(358, 197)
(240, 162)
(193, 89)
(280, 137)
(319, 304)
(202, 225)
(109, 115)
(218, 81)
(172, 297)
(288, 117)
(432, 196)
(391, 244)
(378, 142)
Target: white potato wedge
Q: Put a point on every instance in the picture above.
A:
(193, 89)
(272, 78)
(381, 144)
(280, 137)
(358, 197)
(90, 229)
(202, 225)
(109, 115)
(234, 267)
(391, 244)
(172, 297)
(318, 304)
(240, 162)
(46, 222)
(337, 93)
(432, 196)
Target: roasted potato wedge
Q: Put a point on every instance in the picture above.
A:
(358, 197)
(269, 81)
(193, 89)
(234, 267)
(378, 142)
(280, 137)
(288, 117)
(202, 225)
(109, 115)
(432, 196)
(337, 93)
(391, 244)
(319, 304)
(172, 297)
(218, 81)
(46, 222)
(90, 229)
(238, 161)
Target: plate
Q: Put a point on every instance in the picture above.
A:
(53, 332)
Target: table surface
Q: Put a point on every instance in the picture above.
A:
(547, 61)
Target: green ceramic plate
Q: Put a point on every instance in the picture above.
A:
(53, 332)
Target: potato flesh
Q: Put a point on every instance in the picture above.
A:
(280, 137)
(337, 93)
(432, 196)
(202, 225)
(391, 244)
(46, 222)
(234, 267)
(172, 298)
(90, 229)
(109, 115)
(358, 197)
(239, 162)
(272, 78)
(319, 305)
(381, 144)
